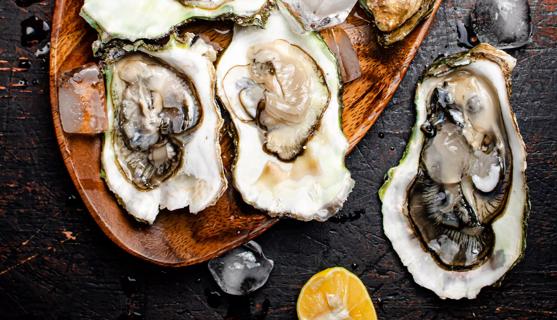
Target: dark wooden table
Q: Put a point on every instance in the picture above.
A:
(55, 263)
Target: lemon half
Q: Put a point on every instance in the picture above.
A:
(335, 294)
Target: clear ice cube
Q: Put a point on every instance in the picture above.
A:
(505, 24)
(340, 44)
(81, 101)
(241, 270)
(320, 14)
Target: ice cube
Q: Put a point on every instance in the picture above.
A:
(81, 101)
(338, 41)
(320, 14)
(241, 270)
(505, 24)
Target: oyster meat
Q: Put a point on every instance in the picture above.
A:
(282, 89)
(455, 208)
(154, 19)
(162, 148)
(395, 19)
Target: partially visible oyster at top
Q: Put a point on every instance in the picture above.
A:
(455, 207)
(395, 19)
(282, 89)
(152, 19)
(162, 148)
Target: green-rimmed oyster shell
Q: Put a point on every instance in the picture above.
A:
(161, 150)
(283, 92)
(455, 207)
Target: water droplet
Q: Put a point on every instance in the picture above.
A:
(24, 63)
(222, 31)
(381, 135)
(44, 50)
(354, 266)
(428, 129)
(44, 64)
(129, 285)
(214, 298)
(72, 201)
(22, 84)
(347, 217)
(33, 31)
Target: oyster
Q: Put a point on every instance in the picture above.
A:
(162, 146)
(395, 19)
(154, 19)
(283, 90)
(455, 208)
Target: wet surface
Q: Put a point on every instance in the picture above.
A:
(214, 298)
(46, 275)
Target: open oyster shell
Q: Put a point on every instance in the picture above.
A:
(395, 19)
(455, 207)
(153, 19)
(162, 148)
(282, 90)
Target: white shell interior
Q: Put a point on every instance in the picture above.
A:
(313, 186)
(200, 181)
(509, 227)
(152, 19)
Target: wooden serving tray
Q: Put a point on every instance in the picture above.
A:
(179, 238)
